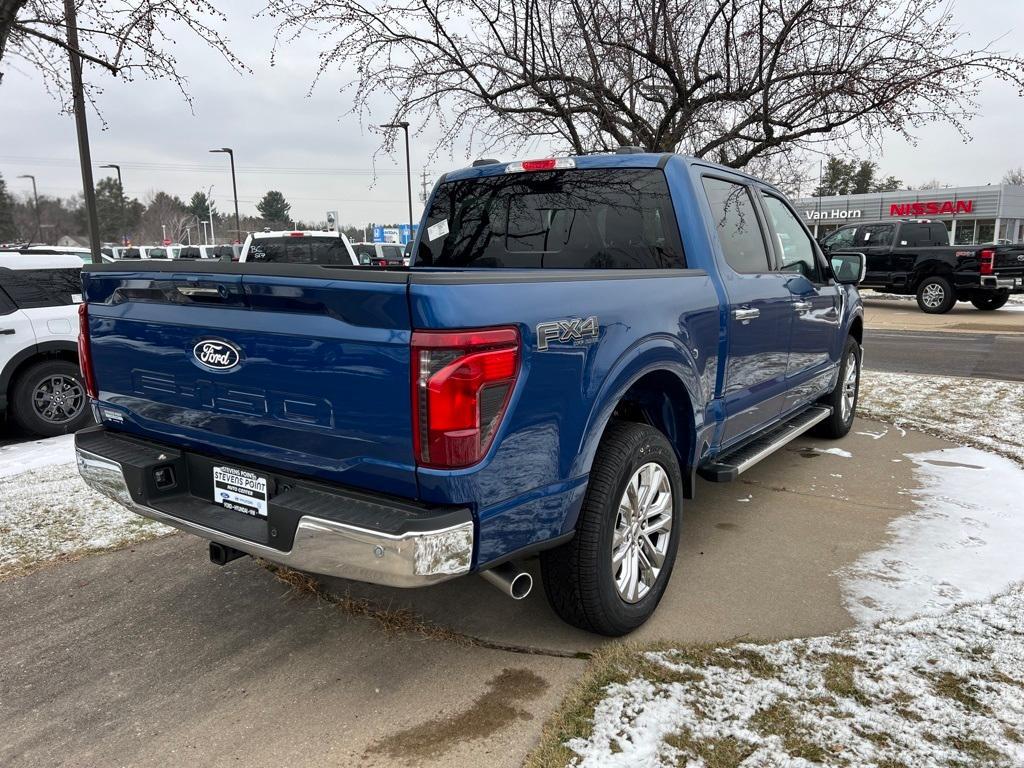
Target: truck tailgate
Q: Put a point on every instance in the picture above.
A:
(300, 374)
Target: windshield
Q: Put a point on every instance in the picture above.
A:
(299, 250)
(609, 218)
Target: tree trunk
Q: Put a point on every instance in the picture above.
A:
(8, 13)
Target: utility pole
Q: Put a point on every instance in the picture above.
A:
(120, 188)
(404, 125)
(234, 186)
(209, 210)
(35, 205)
(82, 128)
(424, 194)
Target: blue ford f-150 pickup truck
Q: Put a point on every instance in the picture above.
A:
(576, 341)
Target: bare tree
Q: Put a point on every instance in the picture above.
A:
(736, 81)
(124, 38)
(1014, 176)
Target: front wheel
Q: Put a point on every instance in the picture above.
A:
(990, 302)
(843, 398)
(935, 295)
(610, 578)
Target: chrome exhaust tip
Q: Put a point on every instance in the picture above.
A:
(509, 580)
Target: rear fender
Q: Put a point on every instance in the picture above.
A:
(652, 355)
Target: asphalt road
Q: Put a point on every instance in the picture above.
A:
(977, 355)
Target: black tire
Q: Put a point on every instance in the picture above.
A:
(935, 295)
(34, 388)
(839, 423)
(579, 577)
(990, 302)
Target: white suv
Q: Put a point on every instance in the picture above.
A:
(311, 247)
(40, 385)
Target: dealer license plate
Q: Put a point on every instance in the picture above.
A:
(240, 490)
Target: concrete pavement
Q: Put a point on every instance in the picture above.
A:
(154, 657)
(897, 314)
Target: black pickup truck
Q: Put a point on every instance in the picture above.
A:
(915, 258)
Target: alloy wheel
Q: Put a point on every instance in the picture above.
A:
(849, 397)
(933, 295)
(643, 527)
(58, 399)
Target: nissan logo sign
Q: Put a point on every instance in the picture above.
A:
(217, 355)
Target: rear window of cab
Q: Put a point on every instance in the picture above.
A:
(600, 218)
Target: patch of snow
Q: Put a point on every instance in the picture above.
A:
(834, 452)
(49, 512)
(747, 499)
(963, 543)
(932, 691)
(36, 454)
(875, 435)
(987, 414)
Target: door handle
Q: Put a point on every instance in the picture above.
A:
(7, 331)
(746, 314)
(802, 306)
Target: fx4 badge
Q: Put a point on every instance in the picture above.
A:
(570, 331)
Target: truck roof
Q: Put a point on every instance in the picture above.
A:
(605, 160)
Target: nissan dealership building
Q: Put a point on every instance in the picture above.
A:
(971, 214)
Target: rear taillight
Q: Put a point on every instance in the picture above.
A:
(988, 262)
(462, 382)
(84, 353)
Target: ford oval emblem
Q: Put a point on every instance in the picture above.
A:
(216, 354)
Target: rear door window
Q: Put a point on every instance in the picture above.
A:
(572, 219)
(189, 252)
(299, 250)
(739, 231)
(35, 288)
(875, 235)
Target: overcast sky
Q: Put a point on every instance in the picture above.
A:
(321, 158)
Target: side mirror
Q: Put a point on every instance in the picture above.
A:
(849, 267)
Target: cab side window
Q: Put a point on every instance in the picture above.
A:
(791, 241)
(739, 231)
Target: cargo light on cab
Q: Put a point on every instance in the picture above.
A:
(548, 164)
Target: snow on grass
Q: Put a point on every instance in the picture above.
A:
(36, 454)
(982, 413)
(48, 513)
(964, 541)
(931, 691)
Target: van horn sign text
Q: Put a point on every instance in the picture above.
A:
(927, 208)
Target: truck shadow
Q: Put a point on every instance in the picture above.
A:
(757, 559)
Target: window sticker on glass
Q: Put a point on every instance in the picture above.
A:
(434, 231)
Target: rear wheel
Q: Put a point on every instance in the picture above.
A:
(989, 302)
(610, 578)
(843, 398)
(49, 399)
(935, 295)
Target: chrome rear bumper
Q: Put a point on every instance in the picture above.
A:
(327, 547)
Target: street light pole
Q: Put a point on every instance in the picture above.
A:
(35, 204)
(82, 129)
(234, 188)
(120, 187)
(404, 125)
